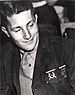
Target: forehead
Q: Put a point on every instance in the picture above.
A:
(20, 19)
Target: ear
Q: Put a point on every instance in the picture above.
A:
(5, 31)
(36, 17)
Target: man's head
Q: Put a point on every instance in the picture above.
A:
(20, 23)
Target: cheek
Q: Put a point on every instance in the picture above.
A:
(15, 36)
(34, 30)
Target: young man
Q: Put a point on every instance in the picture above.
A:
(32, 62)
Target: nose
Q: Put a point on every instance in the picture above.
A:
(26, 34)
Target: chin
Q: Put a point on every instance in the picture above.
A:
(28, 48)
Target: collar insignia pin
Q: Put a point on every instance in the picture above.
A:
(51, 74)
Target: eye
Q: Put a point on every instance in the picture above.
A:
(31, 24)
(16, 29)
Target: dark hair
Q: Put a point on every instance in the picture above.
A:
(8, 8)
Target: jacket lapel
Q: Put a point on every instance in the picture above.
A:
(41, 58)
(15, 70)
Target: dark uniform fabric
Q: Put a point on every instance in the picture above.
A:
(54, 71)
(70, 33)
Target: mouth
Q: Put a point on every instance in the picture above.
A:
(28, 41)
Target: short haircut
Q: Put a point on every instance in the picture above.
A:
(8, 8)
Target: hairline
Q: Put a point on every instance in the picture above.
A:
(18, 14)
(6, 23)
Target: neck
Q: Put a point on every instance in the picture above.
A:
(39, 4)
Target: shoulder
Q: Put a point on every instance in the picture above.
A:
(47, 34)
(7, 47)
(60, 41)
(61, 46)
(62, 49)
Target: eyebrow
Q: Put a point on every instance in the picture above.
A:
(15, 27)
(20, 26)
(31, 21)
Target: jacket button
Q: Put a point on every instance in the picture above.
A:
(44, 47)
(60, 81)
(34, 89)
(47, 82)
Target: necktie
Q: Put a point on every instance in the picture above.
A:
(25, 66)
(25, 79)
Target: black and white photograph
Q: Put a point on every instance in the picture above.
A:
(37, 47)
